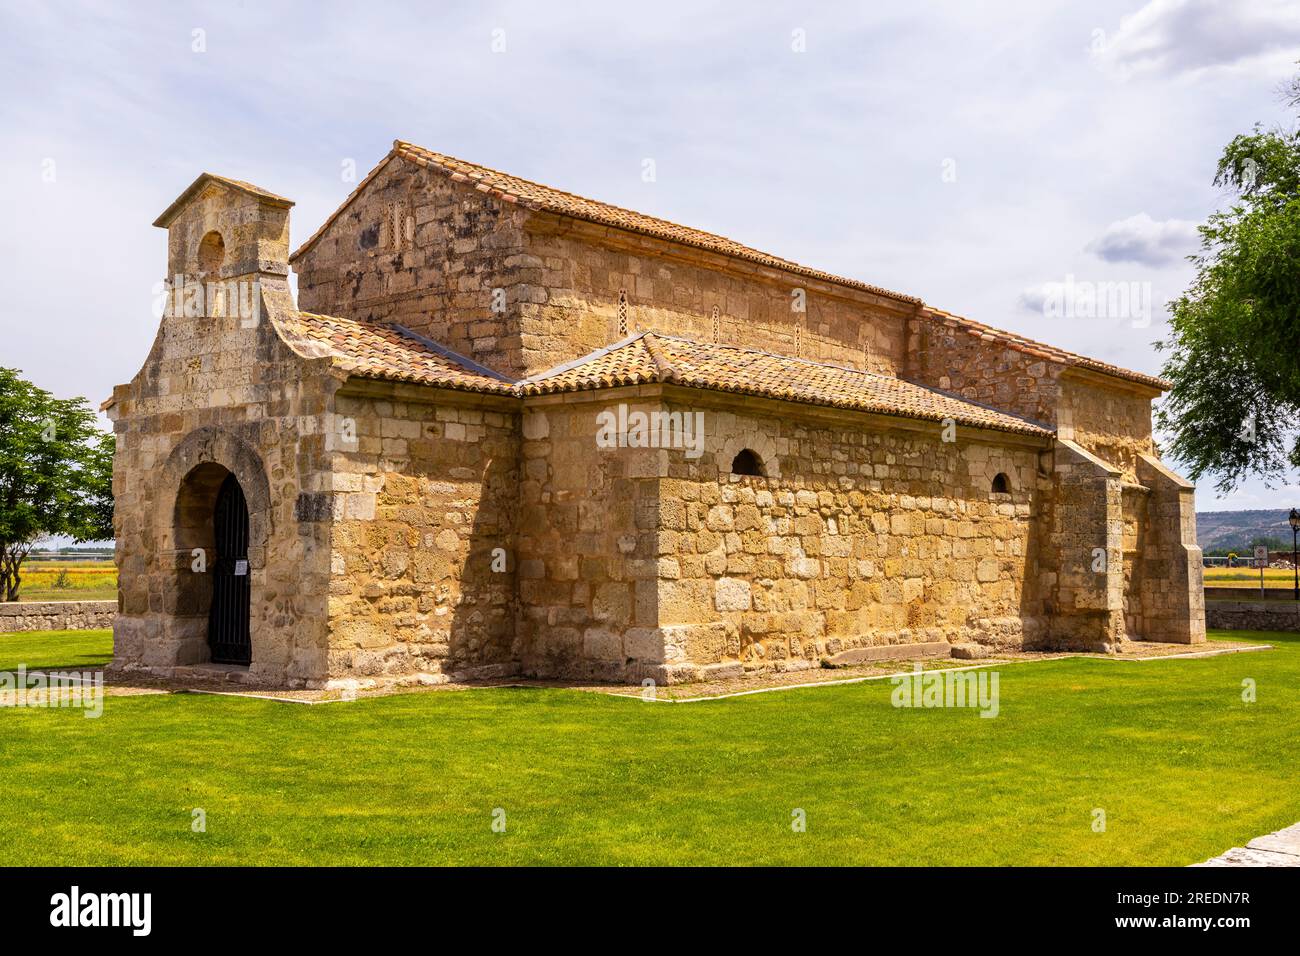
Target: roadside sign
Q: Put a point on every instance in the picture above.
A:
(1261, 557)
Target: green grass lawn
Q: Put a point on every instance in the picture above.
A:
(55, 649)
(1181, 766)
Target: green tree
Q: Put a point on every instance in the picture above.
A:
(56, 474)
(1234, 354)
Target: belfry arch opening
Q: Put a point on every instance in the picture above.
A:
(212, 252)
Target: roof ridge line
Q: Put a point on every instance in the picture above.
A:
(333, 217)
(955, 396)
(667, 373)
(701, 238)
(581, 360)
(780, 355)
(1053, 353)
(416, 147)
(168, 215)
(399, 144)
(439, 349)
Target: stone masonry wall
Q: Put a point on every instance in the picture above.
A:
(1252, 615)
(1081, 565)
(420, 250)
(944, 356)
(861, 533)
(1172, 584)
(1111, 421)
(56, 615)
(221, 393)
(581, 270)
(647, 562)
(211, 385)
(422, 566)
(587, 543)
(1135, 506)
(523, 291)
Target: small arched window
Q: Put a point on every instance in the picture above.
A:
(747, 462)
(1001, 486)
(212, 252)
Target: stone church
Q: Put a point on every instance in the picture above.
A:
(507, 430)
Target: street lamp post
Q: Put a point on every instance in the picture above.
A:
(1294, 518)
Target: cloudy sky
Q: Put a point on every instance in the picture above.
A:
(983, 156)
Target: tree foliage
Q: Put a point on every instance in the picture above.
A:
(56, 474)
(1234, 354)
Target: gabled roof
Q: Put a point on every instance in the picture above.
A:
(1040, 350)
(651, 357)
(533, 195)
(373, 350)
(393, 353)
(174, 209)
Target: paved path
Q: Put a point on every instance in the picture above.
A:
(1277, 849)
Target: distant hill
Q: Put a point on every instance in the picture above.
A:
(1235, 529)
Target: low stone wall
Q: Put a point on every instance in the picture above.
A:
(56, 616)
(1252, 615)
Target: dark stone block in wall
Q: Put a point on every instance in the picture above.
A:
(315, 506)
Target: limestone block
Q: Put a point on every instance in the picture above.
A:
(887, 652)
(602, 644)
(732, 594)
(644, 644)
(612, 603)
(685, 602)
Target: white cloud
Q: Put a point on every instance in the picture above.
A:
(1035, 297)
(1252, 494)
(1182, 36)
(1145, 240)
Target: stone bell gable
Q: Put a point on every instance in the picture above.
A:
(222, 228)
(507, 430)
(221, 394)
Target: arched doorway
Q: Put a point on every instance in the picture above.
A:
(211, 603)
(228, 617)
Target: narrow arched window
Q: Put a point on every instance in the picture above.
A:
(747, 462)
(1001, 486)
(212, 252)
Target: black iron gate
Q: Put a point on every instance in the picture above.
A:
(228, 620)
